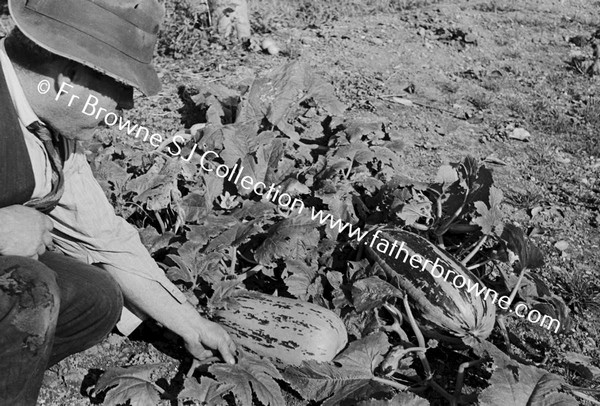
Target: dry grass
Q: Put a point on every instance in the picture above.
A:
(269, 13)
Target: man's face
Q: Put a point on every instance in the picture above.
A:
(82, 99)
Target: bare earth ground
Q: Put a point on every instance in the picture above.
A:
(475, 70)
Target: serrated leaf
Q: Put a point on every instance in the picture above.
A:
(446, 175)
(361, 324)
(513, 383)
(208, 391)
(357, 269)
(277, 97)
(530, 256)
(194, 207)
(490, 219)
(254, 210)
(583, 365)
(133, 384)
(232, 237)
(157, 187)
(213, 187)
(251, 374)
(473, 184)
(291, 238)
(357, 152)
(336, 280)
(524, 385)
(403, 398)
(372, 292)
(553, 306)
(338, 197)
(386, 156)
(223, 291)
(349, 376)
(418, 207)
(112, 177)
(302, 275)
(153, 241)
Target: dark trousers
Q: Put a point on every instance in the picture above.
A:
(49, 309)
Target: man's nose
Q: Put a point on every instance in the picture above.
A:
(125, 98)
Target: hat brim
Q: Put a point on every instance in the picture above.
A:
(74, 44)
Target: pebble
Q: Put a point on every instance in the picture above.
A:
(520, 134)
(561, 245)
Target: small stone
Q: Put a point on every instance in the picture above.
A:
(470, 39)
(377, 41)
(561, 245)
(520, 134)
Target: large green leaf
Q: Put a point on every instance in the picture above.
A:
(349, 376)
(291, 238)
(133, 384)
(251, 374)
(513, 383)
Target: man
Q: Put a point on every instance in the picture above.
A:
(53, 305)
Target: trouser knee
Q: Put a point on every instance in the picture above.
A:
(29, 301)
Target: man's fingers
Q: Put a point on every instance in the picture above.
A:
(204, 354)
(47, 239)
(48, 223)
(199, 351)
(226, 352)
(41, 249)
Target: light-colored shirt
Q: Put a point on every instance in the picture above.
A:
(85, 224)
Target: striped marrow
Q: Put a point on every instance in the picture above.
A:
(286, 330)
(441, 291)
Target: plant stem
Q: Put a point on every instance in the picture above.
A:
(517, 286)
(441, 242)
(420, 339)
(441, 391)
(502, 325)
(460, 378)
(413, 323)
(347, 173)
(395, 355)
(471, 254)
(470, 268)
(585, 397)
(359, 252)
(233, 258)
(420, 227)
(390, 383)
(160, 222)
(158, 388)
(457, 213)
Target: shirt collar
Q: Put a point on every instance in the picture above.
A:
(17, 94)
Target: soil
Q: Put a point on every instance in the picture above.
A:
(474, 72)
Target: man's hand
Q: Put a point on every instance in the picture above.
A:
(211, 335)
(24, 232)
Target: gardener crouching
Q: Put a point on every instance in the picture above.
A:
(53, 305)
(65, 53)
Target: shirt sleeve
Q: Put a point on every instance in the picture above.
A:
(86, 227)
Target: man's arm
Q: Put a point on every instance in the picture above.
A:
(86, 227)
(181, 318)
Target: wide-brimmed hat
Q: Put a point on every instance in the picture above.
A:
(115, 37)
